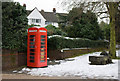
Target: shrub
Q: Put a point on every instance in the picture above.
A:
(52, 30)
(61, 42)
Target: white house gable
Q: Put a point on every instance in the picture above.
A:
(42, 18)
(36, 18)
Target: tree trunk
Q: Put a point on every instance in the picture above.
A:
(112, 39)
(112, 10)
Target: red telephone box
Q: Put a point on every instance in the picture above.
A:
(37, 47)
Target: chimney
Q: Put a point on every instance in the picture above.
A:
(54, 10)
(24, 5)
(42, 10)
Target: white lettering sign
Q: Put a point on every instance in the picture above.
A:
(32, 30)
(42, 31)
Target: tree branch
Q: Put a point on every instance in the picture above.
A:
(102, 12)
(107, 5)
(104, 17)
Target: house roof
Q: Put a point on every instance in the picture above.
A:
(28, 12)
(49, 16)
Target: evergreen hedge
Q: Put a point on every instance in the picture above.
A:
(61, 42)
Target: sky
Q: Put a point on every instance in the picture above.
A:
(46, 5)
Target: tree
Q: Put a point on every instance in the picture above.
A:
(111, 8)
(117, 26)
(14, 25)
(52, 30)
(62, 20)
(83, 24)
(105, 29)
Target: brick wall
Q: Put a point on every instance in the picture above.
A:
(57, 54)
(12, 59)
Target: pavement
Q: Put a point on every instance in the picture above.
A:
(10, 75)
(24, 76)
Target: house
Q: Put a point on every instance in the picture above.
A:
(43, 18)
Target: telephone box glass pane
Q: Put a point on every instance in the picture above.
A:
(32, 50)
(42, 36)
(31, 60)
(42, 43)
(42, 49)
(32, 46)
(32, 42)
(31, 57)
(42, 61)
(31, 53)
(42, 56)
(42, 53)
(31, 36)
(32, 39)
(42, 39)
(42, 46)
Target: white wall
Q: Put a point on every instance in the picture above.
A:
(36, 15)
(55, 24)
(52, 23)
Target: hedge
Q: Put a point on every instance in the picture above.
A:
(61, 42)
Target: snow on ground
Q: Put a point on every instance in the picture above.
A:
(79, 67)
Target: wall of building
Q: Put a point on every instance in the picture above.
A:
(52, 23)
(55, 24)
(36, 15)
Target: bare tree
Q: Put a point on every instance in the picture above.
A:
(102, 10)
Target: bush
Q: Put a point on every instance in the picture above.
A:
(61, 42)
(52, 30)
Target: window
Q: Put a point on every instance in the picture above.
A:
(32, 39)
(47, 23)
(31, 36)
(31, 60)
(31, 53)
(42, 36)
(42, 53)
(32, 46)
(42, 43)
(42, 46)
(31, 57)
(42, 39)
(32, 43)
(36, 20)
(32, 50)
(42, 50)
(33, 20)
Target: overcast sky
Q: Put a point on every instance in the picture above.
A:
(46, 5)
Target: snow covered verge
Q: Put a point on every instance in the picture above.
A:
(77, 67)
